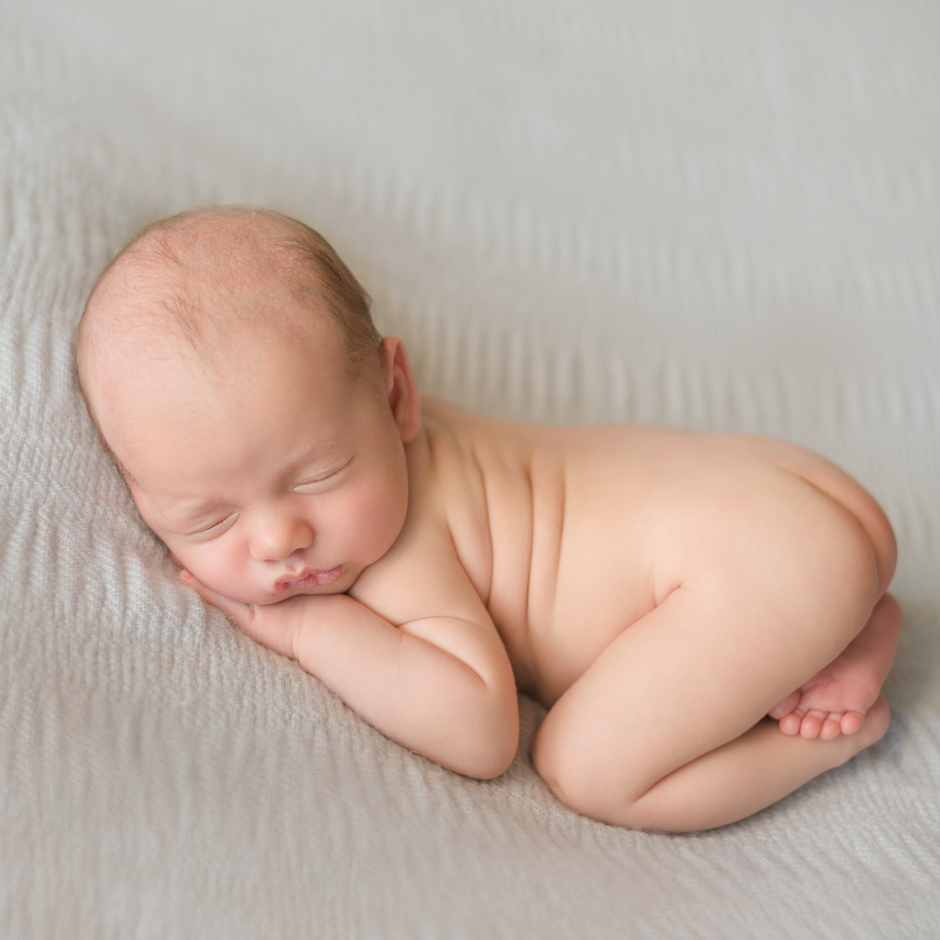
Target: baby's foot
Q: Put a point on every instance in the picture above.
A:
(835, 700)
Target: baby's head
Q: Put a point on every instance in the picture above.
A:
(229, 362)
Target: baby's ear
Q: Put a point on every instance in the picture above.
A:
(400, 386)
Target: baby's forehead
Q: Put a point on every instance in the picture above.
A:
(150, 384)
(208, 287)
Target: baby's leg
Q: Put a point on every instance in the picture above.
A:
(751, 772)
(664, 730)
(835, 700)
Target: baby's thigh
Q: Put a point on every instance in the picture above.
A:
(697, 671)
(673, 685)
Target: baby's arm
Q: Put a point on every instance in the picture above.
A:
(440, 684)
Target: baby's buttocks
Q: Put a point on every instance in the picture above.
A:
(648, 510)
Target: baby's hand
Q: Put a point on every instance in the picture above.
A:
(276, 626)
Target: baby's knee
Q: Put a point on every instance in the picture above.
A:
(582, 784)
(579, 793)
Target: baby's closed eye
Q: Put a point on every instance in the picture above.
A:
(211, 527)
(317, 481)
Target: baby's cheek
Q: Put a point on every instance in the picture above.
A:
(381, 521)
(213, 566)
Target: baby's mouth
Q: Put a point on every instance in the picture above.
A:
(306, 579)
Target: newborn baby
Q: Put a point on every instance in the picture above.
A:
(704, 616)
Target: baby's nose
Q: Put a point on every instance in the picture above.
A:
(277, 538)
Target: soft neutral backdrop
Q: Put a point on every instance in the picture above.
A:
(719, 216)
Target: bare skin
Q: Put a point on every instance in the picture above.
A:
(704, 616)
(836, 699)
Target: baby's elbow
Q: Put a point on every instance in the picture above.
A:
(502, 755)
(492, 763)
(495, 747)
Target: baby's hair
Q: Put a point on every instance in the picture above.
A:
(174, 268)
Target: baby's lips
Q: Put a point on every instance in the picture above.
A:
(307, 578)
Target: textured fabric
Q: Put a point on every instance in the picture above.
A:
(720, 216)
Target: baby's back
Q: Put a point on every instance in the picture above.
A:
(570, 535)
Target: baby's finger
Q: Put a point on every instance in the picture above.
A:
(242, 614)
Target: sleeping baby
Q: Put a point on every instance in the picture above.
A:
(703, 616)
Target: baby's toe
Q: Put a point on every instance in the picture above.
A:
(831, 727)
(790, 724)
(812, 723)
(786, 706)
(851, 722)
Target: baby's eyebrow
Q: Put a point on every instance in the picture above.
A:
(323, 455)
(320, 452)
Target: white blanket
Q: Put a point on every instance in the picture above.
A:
(721, 216)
